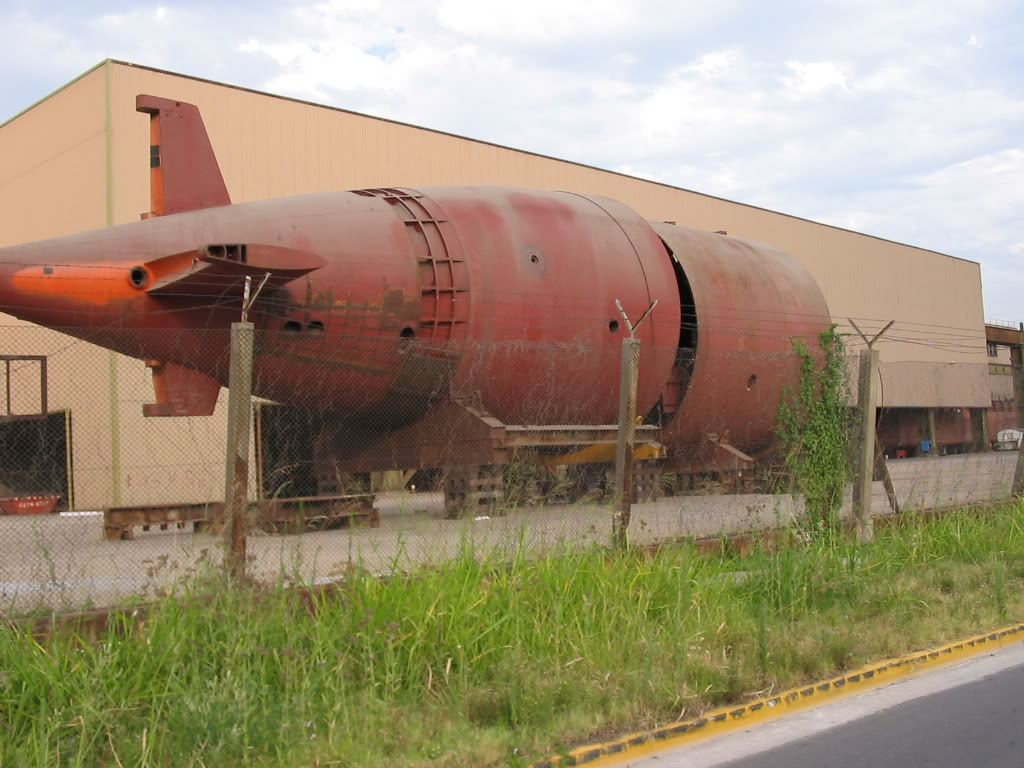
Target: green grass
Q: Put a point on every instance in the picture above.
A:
(470, 664)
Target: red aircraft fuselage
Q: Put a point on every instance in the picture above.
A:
(379, 302)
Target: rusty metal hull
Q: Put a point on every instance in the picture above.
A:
(400, 311)
(502, 296)
(420, 290)
(748, 303)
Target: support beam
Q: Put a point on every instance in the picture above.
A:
(932, 433)
(1017, 364)
(1018, 388)
(979, 425)
(882, 473)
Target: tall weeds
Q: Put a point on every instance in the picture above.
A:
(492, 663)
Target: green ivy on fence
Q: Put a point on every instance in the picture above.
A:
(813, 431)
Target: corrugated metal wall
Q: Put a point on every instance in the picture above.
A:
(54, 179)
(270, 147)
(53, 164)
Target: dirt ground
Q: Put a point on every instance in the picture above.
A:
(62, 561)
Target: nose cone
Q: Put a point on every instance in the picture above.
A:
(60, 283)
(92, 286)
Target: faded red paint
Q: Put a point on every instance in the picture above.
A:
(184, 175)
(906, 428)
(1003, 415)
(751, 302)
(382, 300)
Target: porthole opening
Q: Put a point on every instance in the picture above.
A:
(139, 277)
(534, 258)
(613, 326)
(315, 328)
(408, 333)
(292, 326)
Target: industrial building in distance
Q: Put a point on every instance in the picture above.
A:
(78, 160)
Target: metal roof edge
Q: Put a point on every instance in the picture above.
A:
(57, 90)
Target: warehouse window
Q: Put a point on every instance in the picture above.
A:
(993, 350)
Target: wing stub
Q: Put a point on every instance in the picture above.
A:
(220, 269)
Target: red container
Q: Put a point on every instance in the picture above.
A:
(29, 505)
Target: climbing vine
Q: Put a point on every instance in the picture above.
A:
(813, 431)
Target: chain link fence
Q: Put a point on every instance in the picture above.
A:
(361, 456)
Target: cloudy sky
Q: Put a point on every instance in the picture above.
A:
(900, 119)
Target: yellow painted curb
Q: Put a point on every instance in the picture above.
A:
(726, 719)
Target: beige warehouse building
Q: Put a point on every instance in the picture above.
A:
(78, 160)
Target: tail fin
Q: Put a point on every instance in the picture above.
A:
(181, 391)
(184, 174)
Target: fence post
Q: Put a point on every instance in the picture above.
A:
(868, 403)
(626, 442)
(868, 398)
(236, 485)
(1018, 390)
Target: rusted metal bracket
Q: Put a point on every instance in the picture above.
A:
(722, 441)
(8, 415)
(181, 391)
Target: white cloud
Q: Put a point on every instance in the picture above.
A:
(714, 64)
(890, 118)
(22, 37)
(815, 76)
(538, 20)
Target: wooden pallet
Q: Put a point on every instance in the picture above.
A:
(119, 523)
(292, 515)
(316, 513)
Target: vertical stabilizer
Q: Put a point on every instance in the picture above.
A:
(184, 174)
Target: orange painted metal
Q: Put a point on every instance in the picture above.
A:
(29, 505)
(158, 205)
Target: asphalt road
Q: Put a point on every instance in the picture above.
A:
(978, 725)
(969, 714)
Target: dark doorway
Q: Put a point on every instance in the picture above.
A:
(285, 448)
(34, 457)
